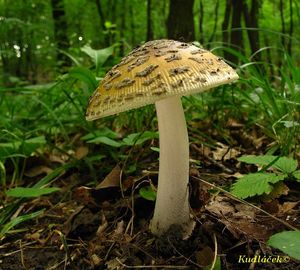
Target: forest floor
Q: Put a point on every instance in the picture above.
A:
(107, 227)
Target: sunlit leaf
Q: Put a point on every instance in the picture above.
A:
(284, 164)
(255, 184)
(288, 242)
(28, 192)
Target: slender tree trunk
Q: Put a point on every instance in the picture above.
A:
(225, 26)
(123, 26)
(216, 22)
(251, 20)
(132, 26)
(149, 21)
(102, 21)
(281, 8)
(291, 30)
(201, 16)
(236, 34)
(180, 23)
(60, 32)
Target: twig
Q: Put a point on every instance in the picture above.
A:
(151, 266)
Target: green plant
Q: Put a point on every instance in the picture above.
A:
(262, 182)
(288, 242)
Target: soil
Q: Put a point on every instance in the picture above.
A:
(107, 227)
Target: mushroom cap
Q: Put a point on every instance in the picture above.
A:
(154, 71)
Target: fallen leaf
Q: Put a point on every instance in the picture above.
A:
(81, 152)
(205, 256)
(112, 179)
(38, 170)
(224, 152)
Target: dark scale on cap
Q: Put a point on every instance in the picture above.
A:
(141, 53)
(139, 61)
(210, 61)
(113, 74)
(127, 59)
(197, 59)
(161, 46)
(173, 57)
(129, 97)
(197, 51)
(172, 51)
(159, 53)
(178, 83)
(124, 83)
(183, 46)
(200, 79)
(139, 94)
(179, 70)
(149, 81)
(157, 91)
(146, 71)
(107, 86)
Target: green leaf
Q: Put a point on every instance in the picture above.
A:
(21, 147)
(84, 75)
(296, 174)
(284, 164)
(105, 140)
(103, 132)
(288, 242)
(255, 184)
(139, 138)
(18, 220)
(147, 193)
(25, 192)
(98, 56)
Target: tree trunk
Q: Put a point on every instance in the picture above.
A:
(281, 7)
(149, 21)
(122, 28)
(201, 16)
(291, 30)
(251, 20)
(225, 26)
(60, 32)
(180, 23)
(102, 21)
(216, 22)
(236, 34)
(132, 26)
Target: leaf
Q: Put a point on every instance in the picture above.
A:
(255, 184)
(18, 220)
(21, 147)
(288, 242)
(105, 132)
(112, 179)
(98, 56)
(284, 164)
(296, 174)
(139, 138)
(147, 193)
(105, 140)
(25, 192)
(84, 75)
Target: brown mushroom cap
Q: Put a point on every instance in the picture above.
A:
(157, 70)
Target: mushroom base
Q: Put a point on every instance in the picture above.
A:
(172, 206)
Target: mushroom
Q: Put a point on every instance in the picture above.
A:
(160, 72)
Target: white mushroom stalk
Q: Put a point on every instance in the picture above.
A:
(172, 206)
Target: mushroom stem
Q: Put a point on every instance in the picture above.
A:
(172, 206)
